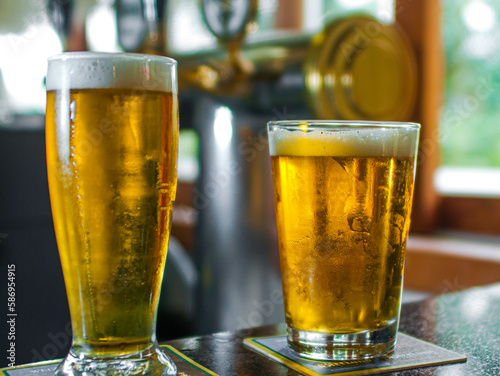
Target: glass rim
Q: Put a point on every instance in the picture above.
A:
(90, 55)
(342, 124)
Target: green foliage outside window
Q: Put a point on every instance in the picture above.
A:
(470, 126)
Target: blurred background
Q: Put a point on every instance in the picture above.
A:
(241, 64)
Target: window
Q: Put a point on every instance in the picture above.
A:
(27, 39)
(470, 120)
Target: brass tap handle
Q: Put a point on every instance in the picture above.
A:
(228, 20)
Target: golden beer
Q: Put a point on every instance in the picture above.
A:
(343, 201)
(111, 157)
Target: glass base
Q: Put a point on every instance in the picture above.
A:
(152, 362)
(351, 346)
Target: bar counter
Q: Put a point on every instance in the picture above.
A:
(467, 322)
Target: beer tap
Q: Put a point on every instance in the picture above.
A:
(229, 21)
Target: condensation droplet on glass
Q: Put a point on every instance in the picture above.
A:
(72, 109)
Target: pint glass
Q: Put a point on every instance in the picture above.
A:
(343, 195)
(112, 135)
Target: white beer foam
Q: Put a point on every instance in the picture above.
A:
(89, 70)
(339, 142)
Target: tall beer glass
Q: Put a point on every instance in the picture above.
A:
(112, 135)
(343, 194)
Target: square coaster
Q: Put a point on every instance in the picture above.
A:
(185, 366)
(410, 352)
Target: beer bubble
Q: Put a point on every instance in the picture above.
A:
(72, 109)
